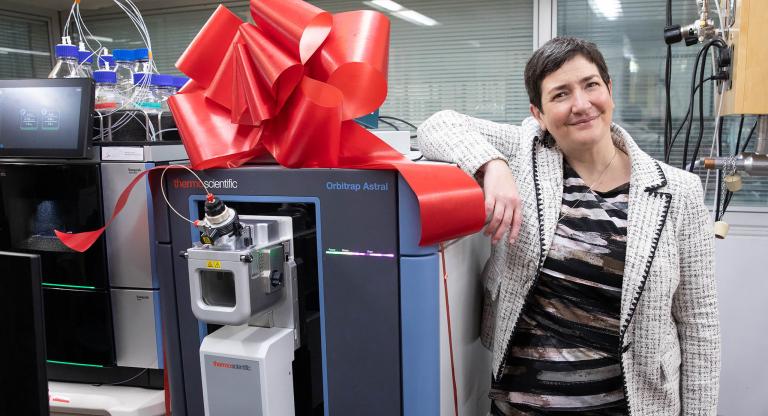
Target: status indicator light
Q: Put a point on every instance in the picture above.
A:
(67, 286)
(75, 364)
(367, 253)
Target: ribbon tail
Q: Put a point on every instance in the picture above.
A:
(83, 241)
(79, 241)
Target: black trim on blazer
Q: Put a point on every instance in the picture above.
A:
(651, 189)
(546, 140)
(663, 177)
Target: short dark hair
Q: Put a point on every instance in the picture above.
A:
(554, 54)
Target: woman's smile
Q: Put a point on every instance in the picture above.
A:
(584, 122)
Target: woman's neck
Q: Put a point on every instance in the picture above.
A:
(601, 166)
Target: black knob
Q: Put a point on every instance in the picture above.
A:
(672, 34)
(214, 207)
(691, 40)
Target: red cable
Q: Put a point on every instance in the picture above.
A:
(450, 334)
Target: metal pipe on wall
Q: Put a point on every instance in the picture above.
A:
(762, 135)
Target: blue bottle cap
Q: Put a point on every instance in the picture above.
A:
(103, 75)
(122, 55)
(141, 54)
(68, 51)
(139, 77)
(85, 56)
(179, 82)
(106, 59)
(162, 80)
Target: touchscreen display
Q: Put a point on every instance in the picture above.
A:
(44, 120)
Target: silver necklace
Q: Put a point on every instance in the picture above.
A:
(594, 184)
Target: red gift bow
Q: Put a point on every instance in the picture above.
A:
(290, 86)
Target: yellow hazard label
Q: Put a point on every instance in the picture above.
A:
(213, 264)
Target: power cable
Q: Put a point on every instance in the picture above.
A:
(118, 383)
(719, 186)
(389, 124)
(701, 107)
(398, 119)
(751, 132)
(382, 118)
(703, 52)
(667, 90)
(685, 120)
(738, 137)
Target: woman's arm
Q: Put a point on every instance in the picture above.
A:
(694, 307)
(448, 136)
(483, 149)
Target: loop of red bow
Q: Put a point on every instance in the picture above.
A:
(286, 84)
(290, 86)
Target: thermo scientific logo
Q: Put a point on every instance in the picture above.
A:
(195, 184)
(230, 366)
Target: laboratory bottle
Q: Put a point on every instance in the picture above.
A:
(124, 69)
(66, 63)
(108, 98)
(85, 58)
(141, 61)
(106, 62)
(165, 89)
(145, 96)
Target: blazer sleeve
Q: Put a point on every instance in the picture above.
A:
(469, 142)
(694, 307)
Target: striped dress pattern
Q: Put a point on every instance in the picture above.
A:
(563, 358)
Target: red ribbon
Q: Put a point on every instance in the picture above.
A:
(290, 86)
(84, 240)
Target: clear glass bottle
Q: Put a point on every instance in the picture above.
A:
(66, 63)
(145, 96)
(124, 70)
(85, 59)
(108, 98)
(106, 62)
(141, 61)
(165, 89)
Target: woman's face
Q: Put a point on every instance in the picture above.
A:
(576, 105)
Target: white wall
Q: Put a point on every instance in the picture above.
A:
(742, 280)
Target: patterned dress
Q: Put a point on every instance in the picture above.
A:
(563, 358)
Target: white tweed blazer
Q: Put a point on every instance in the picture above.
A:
(669, 331)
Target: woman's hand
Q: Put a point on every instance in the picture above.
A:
(502, 202)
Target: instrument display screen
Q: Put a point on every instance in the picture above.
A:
(46, 117)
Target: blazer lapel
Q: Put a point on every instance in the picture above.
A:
(548, 179)
(647, 216)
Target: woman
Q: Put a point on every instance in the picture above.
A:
(602, 299)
